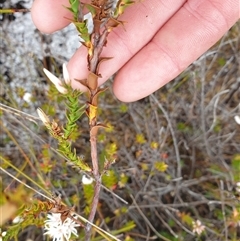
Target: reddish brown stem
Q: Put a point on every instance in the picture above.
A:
(99, 41)
(91, 217)
(94, 156)
(93, 140)
(97, 188)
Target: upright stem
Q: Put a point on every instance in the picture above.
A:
(99, 42)
(94, 156)
(98, 46)
(97, 188)
(99, 39)
(94, 205)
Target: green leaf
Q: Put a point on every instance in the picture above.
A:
(110, 179)
(121, 6)
(236, 167)
(128, 226)
(74, 5)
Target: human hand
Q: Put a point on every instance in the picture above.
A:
(161, 39)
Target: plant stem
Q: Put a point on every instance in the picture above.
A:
(99, 40)
(93, 141)
(94, 205)
(98, 46)
(97, 188)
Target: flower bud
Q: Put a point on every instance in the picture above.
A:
(56, 81)
(66, 75)
(86, 180)
(44, 118)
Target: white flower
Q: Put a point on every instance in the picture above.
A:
(56, 81)
(198, 227)
(2, 234)
(27, 97)
(58, 230)
(17, 219)
(237, 119)
(86, 180)
(66, 74)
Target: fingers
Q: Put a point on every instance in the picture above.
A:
(189, 33)
(174, 34)
(143, 20)
(50, 15)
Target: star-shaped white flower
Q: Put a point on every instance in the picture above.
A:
(198, 227)
(58, 230)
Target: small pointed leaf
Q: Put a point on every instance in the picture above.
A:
(95, 97)
(113, 23)
(82, 81)
(94, 130)
(92, 81)
(101, 59)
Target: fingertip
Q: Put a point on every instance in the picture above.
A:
(50, 16)
(126, 92)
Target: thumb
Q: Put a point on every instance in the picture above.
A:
(50, 16)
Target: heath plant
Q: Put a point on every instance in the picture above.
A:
(177, 151)
(94, 21)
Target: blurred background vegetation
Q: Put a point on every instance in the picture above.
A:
(177, 151)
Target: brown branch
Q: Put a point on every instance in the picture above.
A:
(94, 157)
(99, 40)
(94, 205)
(93, 63)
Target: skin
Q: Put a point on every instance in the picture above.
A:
(161, 38)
